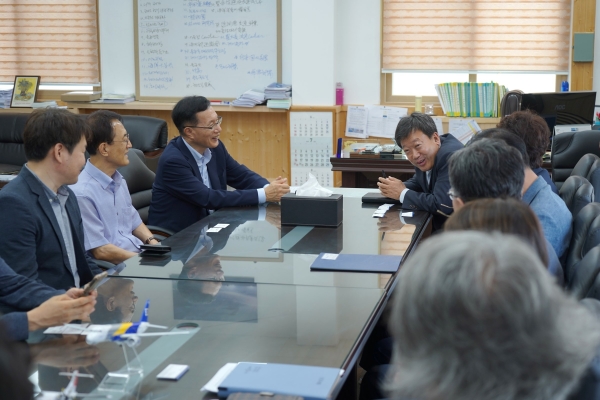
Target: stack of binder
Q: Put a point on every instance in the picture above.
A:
(470, 99)
(278, 91)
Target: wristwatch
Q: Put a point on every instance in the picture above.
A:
(151, 238)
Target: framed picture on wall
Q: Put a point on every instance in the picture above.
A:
(25, 91)
(597, 115)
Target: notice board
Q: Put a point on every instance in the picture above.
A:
(212, 48)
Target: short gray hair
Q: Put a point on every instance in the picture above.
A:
(477, 316)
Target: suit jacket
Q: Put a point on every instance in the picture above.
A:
(32, 242)
(433, 197)
(180, 198)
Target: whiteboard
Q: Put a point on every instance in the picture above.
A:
(213, 48)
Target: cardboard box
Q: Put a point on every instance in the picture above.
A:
(312, 211)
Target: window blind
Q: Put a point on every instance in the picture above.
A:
(476, 35)
(55, 39)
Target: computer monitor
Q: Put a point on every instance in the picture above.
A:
(561, 108)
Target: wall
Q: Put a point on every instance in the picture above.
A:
(596, 84)
(326, 41)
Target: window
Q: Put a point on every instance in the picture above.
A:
(55, 39)
(522, 45)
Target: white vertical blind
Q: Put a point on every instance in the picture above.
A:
(476, 35)
(57, 40)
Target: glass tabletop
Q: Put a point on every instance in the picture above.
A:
(255, 322)
(253, 246)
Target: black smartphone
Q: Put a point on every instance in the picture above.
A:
(383, 174)
(94, 283)
(154, 248)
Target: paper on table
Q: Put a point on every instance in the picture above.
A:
(463, 129)
(356, 122)
(438, 125)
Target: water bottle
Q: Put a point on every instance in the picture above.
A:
(564, 86)
(339, 94)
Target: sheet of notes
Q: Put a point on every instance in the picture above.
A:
(216, 48)
(311, 147)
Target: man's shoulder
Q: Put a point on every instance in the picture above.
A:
(450, 144)
(547, 202)
(18, 187)
(85, 185)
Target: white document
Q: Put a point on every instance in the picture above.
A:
(383, 120)
(438, 125)
(215, 381)
(356, 122)
(463, 129)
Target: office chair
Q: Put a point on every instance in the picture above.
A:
(139, 181)
(576, 192)
(148, 134)
(586, 235)
(568, 148)
(585, 281)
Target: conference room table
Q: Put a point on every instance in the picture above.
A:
(243, 293)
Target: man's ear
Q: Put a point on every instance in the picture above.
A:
(457, 203)
(111, 303)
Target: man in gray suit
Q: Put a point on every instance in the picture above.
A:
(40, 221)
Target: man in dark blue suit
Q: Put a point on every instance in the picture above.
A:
(195, 170)
(429, 152)
(40, 222)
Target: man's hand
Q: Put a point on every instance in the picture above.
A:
(276, 189)
(391, 187)
(69, 351)
(61, 310)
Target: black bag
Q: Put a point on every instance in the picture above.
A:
(511, 102)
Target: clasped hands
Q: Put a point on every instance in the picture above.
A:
(391, 187)
(276, 189)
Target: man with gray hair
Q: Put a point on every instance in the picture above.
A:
(475, 316)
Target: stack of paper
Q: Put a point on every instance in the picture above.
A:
(5, 96)
(250, 98)
(278, 91)
(470, 99)
(283, 104)
(45, 104)
(115, 98)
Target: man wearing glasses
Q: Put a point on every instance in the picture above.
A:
(195, 170)
(113, 228)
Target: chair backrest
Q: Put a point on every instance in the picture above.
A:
(583, 166)
(586, 235)
(585, 281)
(139, 181)
(12, 151)
(146, 133)
(568, 148)
(576, 192)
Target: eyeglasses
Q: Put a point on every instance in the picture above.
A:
(125, 139)
(219, 120)
(452, 195)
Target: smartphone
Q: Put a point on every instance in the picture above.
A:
(154, 248)
(383, 174)
(94, 283)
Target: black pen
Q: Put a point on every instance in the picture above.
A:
(383, 174)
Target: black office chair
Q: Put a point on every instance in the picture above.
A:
(148, 134)
(12, 150)
(568, 148)
(139, 181)
(586, 235)
(576, 192)
(585, 281)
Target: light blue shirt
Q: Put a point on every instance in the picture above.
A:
(203, 159)
(553, 214)
(58, 201)
(106, 209)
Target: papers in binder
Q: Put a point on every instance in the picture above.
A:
(379, 121)
(463, 129)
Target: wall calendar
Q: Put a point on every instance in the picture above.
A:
(311, 138)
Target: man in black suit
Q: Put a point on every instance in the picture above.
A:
(40, 221)
(428, 151)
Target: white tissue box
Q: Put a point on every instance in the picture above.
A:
(312, 211)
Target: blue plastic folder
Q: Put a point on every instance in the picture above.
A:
(312, 383)
(357, 263)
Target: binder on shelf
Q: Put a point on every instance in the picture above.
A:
(376, 263)
(312, 383)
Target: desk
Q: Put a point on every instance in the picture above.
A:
(269, 307)
(363, 172)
